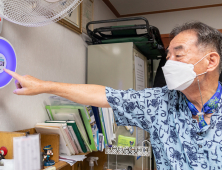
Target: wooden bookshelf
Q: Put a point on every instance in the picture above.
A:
(85, 153)
(60, 165)
(65, 166)
(6, 139)
(82, 165)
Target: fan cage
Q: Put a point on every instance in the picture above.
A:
(35, 13)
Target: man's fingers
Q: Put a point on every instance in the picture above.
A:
(19, 91)
(13, 74)
(17, 84)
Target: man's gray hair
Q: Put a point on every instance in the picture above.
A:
(206, 36)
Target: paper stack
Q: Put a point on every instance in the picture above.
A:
(71, 159)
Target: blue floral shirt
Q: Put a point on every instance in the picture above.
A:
(177, 141)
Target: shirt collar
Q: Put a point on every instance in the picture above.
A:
(210, 106)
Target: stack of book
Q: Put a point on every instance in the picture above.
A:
(81, 128)
(104, 119)
(71, 142)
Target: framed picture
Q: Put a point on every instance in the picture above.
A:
(73, 20)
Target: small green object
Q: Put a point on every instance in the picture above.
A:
(126, 141)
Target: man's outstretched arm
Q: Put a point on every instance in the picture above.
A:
(86, 94)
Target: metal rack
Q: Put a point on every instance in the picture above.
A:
(130, 151)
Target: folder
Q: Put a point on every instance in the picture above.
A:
(86, 121)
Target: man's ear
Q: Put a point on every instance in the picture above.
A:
(214, 61)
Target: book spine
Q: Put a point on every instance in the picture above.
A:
(101, 142)
(107, 123)
(72, 141)
(69, 140)
(97, 141)
(103, 124)
(97, 118)
(75, 139)
(81, 142)
(100, 115)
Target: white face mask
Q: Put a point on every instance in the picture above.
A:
(179, 75)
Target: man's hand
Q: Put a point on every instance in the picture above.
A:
(26, 85)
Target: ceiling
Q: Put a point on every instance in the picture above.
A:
(132, 7)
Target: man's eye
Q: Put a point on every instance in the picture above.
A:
(178, 55)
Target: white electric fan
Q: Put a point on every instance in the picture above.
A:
(34, 13)
(29, 13)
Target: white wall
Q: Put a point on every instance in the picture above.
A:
(102, 12)
(166, 21)
(50, 53)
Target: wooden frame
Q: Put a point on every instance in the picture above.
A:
(72, 26)
(112, 8)
(172, 10)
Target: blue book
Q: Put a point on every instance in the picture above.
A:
(97, 118)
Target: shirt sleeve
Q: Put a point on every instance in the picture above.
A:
(134, 108)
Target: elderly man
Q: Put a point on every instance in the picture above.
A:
(183, 118)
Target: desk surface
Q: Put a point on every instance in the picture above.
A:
(61, 164)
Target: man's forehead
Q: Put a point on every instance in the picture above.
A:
(183, 40)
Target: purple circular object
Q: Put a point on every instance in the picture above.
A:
(7, 52)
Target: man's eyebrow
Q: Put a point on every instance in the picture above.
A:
(180, 47)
